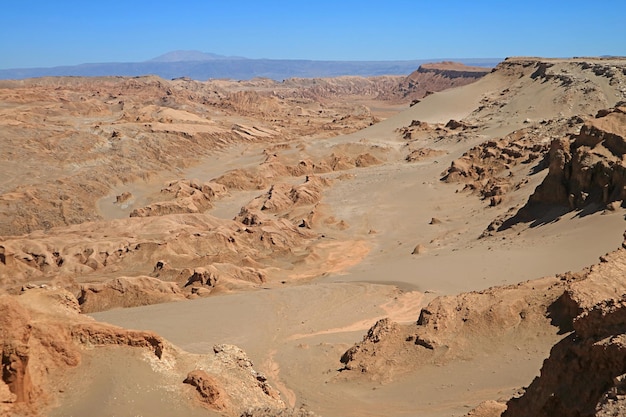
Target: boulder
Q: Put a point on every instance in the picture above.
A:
(209, 392)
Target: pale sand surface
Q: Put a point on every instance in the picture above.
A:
(455, 260)
(302, 329)
(120, 382)
(296, 334)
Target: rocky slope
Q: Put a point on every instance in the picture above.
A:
(584, 374)
(429, 78)
(585, 172)
(41, 344)
(112, 130)
(455, 328)
(261, 218)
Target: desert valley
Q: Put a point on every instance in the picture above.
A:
(447, 243)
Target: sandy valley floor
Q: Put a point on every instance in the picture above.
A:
(364, 229)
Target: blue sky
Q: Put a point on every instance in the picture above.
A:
(64, 32)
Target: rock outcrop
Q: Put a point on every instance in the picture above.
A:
(585, 171)
(589, 168)
(487, 168)
(420, 154)
(488, 408)
(248, 388)
(435, 77)
(15, 354)
(183, 196)
(209, 392)
(127, 292)
(282, 197)
(450, 327)
(43, 336)
(585, 371)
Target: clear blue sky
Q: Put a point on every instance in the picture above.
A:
(66, 32)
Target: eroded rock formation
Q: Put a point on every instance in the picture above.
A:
(585, 171)
(589, 168)
(43, 336)
(451, 327)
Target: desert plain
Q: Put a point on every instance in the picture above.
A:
(449, 243)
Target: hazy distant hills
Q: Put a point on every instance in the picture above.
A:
(197, 56)
(201, 66)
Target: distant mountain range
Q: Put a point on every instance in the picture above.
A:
(202, 66)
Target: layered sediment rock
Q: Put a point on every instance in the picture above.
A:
(183, 196)
(584, 375)
(43, 336)
(435, 77)
(589, 168)
(450, 327)
(127, 292)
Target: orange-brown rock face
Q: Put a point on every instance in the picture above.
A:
(16, 334)
(429, 78)
(588, 169)
(31, 347)
(43, 336)
(208, 389)
(585, 371)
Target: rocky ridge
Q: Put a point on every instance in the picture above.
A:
(429, 78)
(583, 374)
(41, 344)
(170, 249)
(585, 172)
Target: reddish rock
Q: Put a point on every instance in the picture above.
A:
(209, 391)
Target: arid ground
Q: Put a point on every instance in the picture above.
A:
(449, 243)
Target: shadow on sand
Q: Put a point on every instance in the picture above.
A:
(540, 214)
